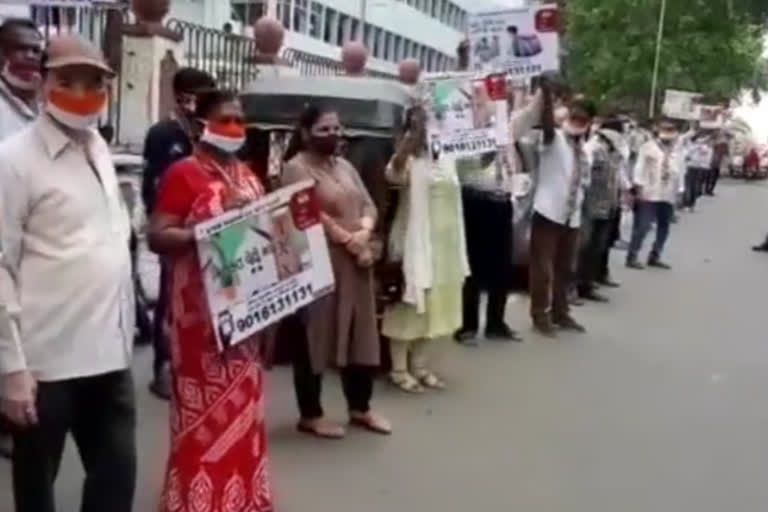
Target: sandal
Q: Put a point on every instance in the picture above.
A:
(431, 381)
(371, 422)
(406, 382)
(321, 429)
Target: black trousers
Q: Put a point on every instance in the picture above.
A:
(593, 254)
(100, 413)
(162, 350)
(488, 217)
(695, 180)
(710, 182)
(494, 314)
(356, 380)
(615, 235)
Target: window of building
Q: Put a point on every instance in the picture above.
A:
(354, 29)
(316, 20)
(397, 48)
(248, 12)
(388, 53)
(342, 29)
(284, 13)
(406, 49)
(378, 43)
(329, 26)
(300, 16)
(435, 12)
(368, 35)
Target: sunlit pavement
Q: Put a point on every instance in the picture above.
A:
(660, 408)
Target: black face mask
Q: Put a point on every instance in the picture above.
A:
(326, 145)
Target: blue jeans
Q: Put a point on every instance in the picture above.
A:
(646, 213)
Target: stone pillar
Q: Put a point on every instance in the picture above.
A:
(150, 52)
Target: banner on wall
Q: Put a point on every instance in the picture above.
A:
(681, 105)
(263, 262)
(523, 42)
(464, 115)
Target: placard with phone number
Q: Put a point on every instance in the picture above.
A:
(263, 262)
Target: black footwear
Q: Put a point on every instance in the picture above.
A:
(502, 333)
(545, 327)
(760, 248)
(567, 323)
(635, 265)
(466, 337)
(161, 386)
(608, 283)
(593, 296)
(656, 263)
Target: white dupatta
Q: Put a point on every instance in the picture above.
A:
(410, 237)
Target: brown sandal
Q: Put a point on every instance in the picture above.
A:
(321, 429)
(372, 423)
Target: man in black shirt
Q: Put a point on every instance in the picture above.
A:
(167, 142)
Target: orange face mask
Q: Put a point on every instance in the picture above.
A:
(230, 129)
(79, 105)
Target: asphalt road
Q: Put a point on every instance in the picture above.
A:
(659, 408)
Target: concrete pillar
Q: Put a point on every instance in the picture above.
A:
(142, 82)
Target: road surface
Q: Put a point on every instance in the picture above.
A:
(660, 408)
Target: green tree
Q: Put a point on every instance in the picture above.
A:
(710, 46)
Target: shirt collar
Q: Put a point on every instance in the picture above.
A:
(19, 104)
(54, 138)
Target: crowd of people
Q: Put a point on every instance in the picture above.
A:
(66, 282)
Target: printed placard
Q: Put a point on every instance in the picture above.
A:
(263, 262)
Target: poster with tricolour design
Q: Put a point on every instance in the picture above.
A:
(263, 262)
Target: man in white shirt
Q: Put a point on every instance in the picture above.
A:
(21, 47)
(563, 176)
(65, 280)
(698, 158)
(658, 179)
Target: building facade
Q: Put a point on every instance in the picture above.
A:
(428, 30)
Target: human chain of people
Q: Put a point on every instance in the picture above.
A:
(485, 180)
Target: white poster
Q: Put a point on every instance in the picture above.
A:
(462, 117)
(711, 117)
(523, 42)
(681, 105)
(263, 262)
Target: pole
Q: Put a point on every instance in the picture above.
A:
(657, 61)
(363, 15)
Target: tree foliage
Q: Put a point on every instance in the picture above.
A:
(710, 46)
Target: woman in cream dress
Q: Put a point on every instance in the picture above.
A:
(427, 236)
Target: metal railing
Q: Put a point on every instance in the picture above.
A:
(228, 57)
(232, 58)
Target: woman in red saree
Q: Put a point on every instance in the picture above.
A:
(218, 451)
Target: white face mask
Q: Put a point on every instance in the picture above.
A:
(18, 82)
(230, 145)
(74, 121)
